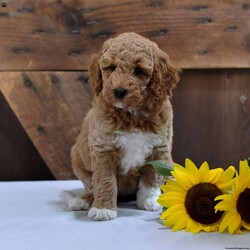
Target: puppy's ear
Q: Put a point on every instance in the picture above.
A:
(165, 75)
(95, 75)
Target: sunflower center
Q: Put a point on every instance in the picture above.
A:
(243, 205)
(199, 203)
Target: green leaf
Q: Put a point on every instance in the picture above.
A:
(162, 167)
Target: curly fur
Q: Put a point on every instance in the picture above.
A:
(119, 135)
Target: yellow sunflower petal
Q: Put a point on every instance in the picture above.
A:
(173, 195)
(192, 178)
(225, 206)
(190, 165)
(227, 202)
(172, 182)
(163, 202)
(211, 228)
(226, 178)
(167, 200)
(192, 170)
(224, 186)
(169, 221)
(244, 168)
(227, 197)
(173, 199)
(235, 223)
(182, 179)
(179, 168)
(163, 215)
(172, 185)
(241, 185)
(203, 172)
(214, 175)
(172, 211)
(226, 220)
(180, 224)
(229, 173)
(172, 220)
(193, 227)
(171, 188)
(243, 172)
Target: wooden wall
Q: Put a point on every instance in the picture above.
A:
(19, 159)
(62, 34)
(45, 46)
(212, 117)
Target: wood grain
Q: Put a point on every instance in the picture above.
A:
(61, 35)
(210, 121)
(237, 111)
(50, 107)
(19, 159)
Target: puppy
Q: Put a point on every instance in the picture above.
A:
(129, 124)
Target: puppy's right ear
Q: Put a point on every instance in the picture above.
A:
(95, 75)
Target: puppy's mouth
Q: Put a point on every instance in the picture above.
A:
(121, 105)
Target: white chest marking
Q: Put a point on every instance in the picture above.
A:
(136, 147)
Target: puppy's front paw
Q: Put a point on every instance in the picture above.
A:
(149, 204)
(101, 214)
(78, 204)
(147, 198)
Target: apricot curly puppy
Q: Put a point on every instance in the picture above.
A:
(130, 123)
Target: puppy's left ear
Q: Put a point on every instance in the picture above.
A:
(165, 75)
(95, 75)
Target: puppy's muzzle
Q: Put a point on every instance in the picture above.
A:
(120, 93)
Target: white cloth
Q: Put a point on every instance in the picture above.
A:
(35, 215)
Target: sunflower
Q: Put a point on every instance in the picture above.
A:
(189, 197)
(237, 204)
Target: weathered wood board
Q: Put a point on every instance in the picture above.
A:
(19, 159)
(61, 35)
(50, 107)
(212, 117)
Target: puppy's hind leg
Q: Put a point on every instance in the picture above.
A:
(85, 201)
(81, 203)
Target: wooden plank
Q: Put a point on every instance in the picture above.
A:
(61, 35)
(199, 121)
(50, 107)
(210, 122)
(19, 159)
(237, 115)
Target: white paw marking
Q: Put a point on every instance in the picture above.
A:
(150, 204)
(101, 214)
(77, 204)
(147, 197)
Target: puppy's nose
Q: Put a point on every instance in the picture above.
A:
(120, 92)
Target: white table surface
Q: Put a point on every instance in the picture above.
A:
(35, 215)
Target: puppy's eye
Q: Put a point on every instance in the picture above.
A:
(139, 71)
(112, 68)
